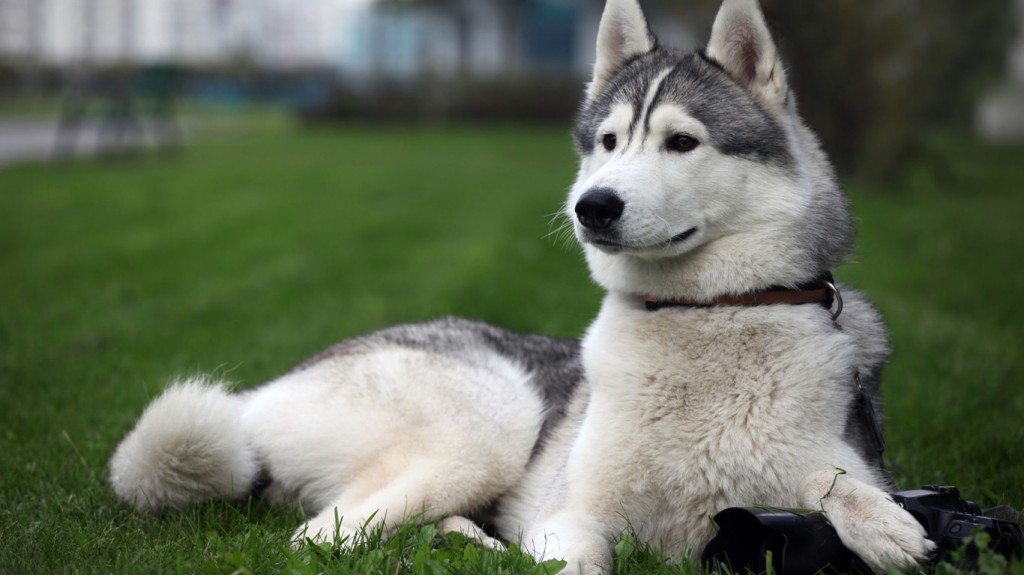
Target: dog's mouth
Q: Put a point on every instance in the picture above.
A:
(678, 238)
(614, 245)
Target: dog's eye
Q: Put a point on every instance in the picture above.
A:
(609, 141)
(681, 143)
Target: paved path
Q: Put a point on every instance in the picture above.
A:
(35, 140)
(26, 140)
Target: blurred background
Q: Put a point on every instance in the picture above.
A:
(874, 76)
(228, 186)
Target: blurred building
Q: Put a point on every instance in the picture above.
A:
(394, 38)
(274, 33)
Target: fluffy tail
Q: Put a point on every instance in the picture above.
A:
(188, 446)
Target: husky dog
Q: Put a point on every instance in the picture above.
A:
(716, 374)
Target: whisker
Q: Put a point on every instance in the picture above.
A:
(560, 226)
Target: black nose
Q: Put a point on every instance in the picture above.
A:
(599, 208)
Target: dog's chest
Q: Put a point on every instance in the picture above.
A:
(716, 401)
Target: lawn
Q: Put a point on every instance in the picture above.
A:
(243, 255)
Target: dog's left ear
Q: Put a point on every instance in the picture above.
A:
(742, 44)
(622, 35)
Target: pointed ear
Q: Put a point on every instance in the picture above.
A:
(623, 35)
(742, 44)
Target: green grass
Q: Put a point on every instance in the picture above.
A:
(939, 256)
(242, 256)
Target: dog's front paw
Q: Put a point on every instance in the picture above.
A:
(883, 534)
(578, 541)
(869, 522)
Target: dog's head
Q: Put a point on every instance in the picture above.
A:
(697, 178)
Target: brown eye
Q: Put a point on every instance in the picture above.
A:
(609, 141)
(681, 143)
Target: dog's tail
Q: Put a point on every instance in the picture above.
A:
(188, 446)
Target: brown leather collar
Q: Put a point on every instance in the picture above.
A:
(821, 291)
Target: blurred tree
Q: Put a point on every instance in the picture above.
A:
(874, 77)
(510, 11)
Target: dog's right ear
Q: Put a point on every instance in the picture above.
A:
(623, 35)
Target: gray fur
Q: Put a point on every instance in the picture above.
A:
(740, 126)
(553, 363)
(863, 322)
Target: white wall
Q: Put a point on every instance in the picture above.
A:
(272, 32)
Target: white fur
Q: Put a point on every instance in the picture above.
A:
(369, 435)
(188, 446)
(357, 440)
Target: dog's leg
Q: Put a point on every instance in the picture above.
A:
(344, 520)
(422, 488)
(867, 520)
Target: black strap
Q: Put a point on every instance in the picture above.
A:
(867, 411)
